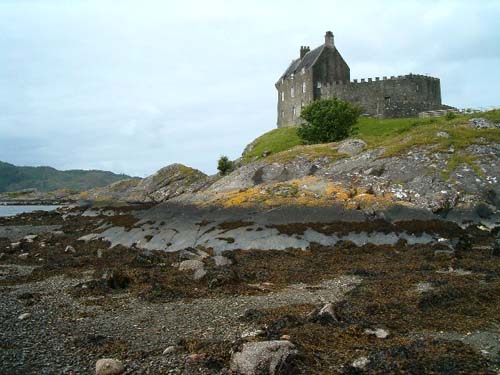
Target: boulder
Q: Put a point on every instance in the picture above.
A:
(351, 147)
(265, 357)
(482, 123)
(109, 366)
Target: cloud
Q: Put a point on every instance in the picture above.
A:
(131, 88)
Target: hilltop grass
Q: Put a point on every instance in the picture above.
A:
(394, 135)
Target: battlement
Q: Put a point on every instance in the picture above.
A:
(406, 77)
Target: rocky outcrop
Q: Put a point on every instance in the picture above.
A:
(167, 183)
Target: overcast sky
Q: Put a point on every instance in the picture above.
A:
(131, 86)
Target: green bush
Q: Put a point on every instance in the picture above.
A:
(450, 116)
(225, 165)
(327, 120)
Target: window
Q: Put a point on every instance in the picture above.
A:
(282, 96)
(303, 87)
(294, 112)
(318, 85)
(292, 76)
(303, 71)
(292, 92)
(282, 114)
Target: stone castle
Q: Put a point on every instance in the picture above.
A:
(323, 73)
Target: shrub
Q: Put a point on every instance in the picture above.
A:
(328, 120)
(451, 115)
(225, 165)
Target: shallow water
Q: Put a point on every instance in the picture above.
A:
(15, 210)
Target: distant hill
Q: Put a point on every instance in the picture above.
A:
(13, 178)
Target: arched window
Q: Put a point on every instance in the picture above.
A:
(292, 92)
(282, 96)
(303, 87)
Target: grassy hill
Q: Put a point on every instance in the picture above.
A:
(395, 135)
(14, 178)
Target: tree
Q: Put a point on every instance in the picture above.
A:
(327, 120)
(225, 165)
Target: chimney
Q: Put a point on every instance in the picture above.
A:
(303, 51)
(329, 39)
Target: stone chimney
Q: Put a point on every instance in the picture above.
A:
(329, 39)
(303, 51)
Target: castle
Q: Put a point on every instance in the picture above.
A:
(323, 73)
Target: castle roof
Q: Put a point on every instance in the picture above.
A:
(306, 62)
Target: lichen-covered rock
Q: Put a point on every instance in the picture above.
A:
(265, 357)
(165, 184)
(482, 123)
(351, 147)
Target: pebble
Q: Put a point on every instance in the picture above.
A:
(23, 255)
(30, 238)
(361, 362)
(379, 333)
(171, 349)
(109, 366)
(24, 316)
(70, 249)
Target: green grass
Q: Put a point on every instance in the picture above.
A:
(275, 141)
(396, 136)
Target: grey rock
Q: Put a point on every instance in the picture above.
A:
(99, 253)
(70, 249)
(222, 261)
(442, 134)
(191, 253)
(265, 357)
(378, 332)
(360, 362)
(170, 350)
(351, 147)
(190, 265)
(482, 123)
(23, 255)
(30, 238)
(109, 366)
(24, 316)
(15, 245)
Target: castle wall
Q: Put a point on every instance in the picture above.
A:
(402, 96)
(289, 108)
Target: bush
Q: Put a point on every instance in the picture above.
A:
(327, 120)
(225, 165)
(451, 115)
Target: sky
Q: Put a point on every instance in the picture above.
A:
(134, 85)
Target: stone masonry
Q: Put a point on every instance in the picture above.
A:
(323, 73)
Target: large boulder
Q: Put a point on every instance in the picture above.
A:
(263, 358)
(351, 147)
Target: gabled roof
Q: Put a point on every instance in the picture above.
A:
(306, 62)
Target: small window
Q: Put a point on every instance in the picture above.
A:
(418, 88)
(282, 114)
(303, 71)
(318, 85)
(303, 87)
(282, 96)
(294, 111)
(292, 92)
(292, 76)
(387, 99)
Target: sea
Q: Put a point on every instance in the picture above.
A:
(6, 210)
